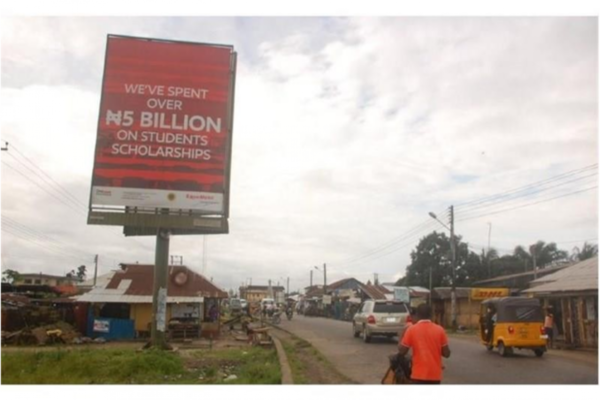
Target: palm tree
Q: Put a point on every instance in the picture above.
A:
(544, 253)
(587, 251)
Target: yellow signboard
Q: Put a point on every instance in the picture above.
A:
(488, 293)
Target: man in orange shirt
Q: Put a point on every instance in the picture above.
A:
(429, 343)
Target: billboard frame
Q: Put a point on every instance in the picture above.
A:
(139, 221)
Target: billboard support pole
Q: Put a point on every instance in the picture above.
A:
(159, 292)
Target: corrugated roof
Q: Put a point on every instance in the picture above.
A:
(142, 281)
(578, 277)
(444, 293)
(102, 296)
(134, 284)
(521, 274)
(101, 280)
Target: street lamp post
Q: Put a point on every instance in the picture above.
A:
(489, 261)
(453, 249)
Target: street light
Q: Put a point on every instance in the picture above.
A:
(453, 249)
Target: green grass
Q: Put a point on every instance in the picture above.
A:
(89, 366)
(252, 366)
(110, 366)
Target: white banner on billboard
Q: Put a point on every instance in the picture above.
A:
(326, 299)
(113, 196)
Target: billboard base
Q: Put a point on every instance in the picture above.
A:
(138, 224)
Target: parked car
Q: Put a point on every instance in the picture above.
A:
(380, 318)
(235, 306)
(244, 304)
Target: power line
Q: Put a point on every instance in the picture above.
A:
(528, 186)
(496, 202)
(20, 235)
(529, 204)
(43, 188)
(60, 191)
(36, 234)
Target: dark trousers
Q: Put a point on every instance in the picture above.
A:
(418, 382)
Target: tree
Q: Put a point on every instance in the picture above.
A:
(433, 256)
(81, 273)
(70, 274)
(587, 251)
(544, 253)
(10, 275)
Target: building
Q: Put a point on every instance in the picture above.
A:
(518, 281)
(573, 295)
(467, 310)
(255, 293)
(43, 279)
(122, 307)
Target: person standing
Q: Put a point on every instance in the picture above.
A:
(429, 344)
(549, 326)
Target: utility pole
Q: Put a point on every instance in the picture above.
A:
(311, 271)
(324, 278)
(430, 283)
(288, 287)
(489, 261)
(159, 292)
(453, 288)
(95, 269)
(270, 290)
(532, 249)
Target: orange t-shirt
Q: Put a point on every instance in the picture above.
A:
(426, 340)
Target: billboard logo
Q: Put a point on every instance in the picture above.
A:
(171, 196)
(198, 197)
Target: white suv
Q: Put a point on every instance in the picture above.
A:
(380, 318)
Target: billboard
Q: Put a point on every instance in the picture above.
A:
(488, 293)
(165, 126)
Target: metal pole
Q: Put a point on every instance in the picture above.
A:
(453, 288)
(324, 278)
(288, 287)
(430, 282)
(311, 283)
(488, 255)
(95, 269)
(159, 298)
(534, 262)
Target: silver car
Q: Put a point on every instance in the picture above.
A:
(380, 318)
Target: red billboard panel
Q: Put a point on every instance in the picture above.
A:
(164, 130)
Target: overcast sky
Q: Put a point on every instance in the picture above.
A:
(347, 132)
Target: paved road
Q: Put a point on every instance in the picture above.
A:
(469, 363)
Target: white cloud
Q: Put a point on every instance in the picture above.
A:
(343, 140)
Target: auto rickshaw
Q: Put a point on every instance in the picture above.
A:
(512, 322)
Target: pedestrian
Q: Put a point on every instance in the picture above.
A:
(429, 344)
(213, 313)
(549, 327)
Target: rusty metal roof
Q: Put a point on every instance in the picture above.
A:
(134, 285)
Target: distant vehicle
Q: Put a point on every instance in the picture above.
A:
(267, 303)
(268, 306)
(380, 318)
(235, 305)
(244, 304)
